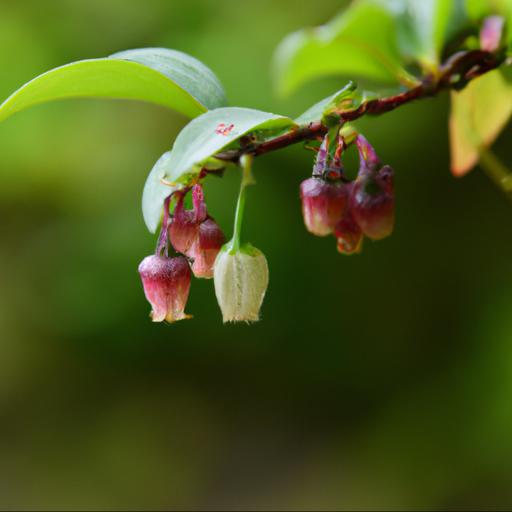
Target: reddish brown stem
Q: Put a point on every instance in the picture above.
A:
(455, 73)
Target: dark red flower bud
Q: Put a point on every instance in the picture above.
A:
(166, 284)
(372, 202)
(323, 203)
(205, 248)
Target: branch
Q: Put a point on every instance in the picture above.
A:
(455, 73)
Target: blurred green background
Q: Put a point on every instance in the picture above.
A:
(381, 381)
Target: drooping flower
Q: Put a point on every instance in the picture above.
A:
(324, 196)
(372, 199)
(205, 248)
(195, 234)
(183, 228)
(166, 283)
(241, 280)
(323, 203)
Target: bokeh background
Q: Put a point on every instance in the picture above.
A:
(381, 381)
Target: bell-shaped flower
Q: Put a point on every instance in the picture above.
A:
(323, 203)
(166, 283)
(205, 248)
(241, 280)
(372, 203)
(372, 198)
(183, 228)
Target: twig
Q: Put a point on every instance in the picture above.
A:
(455, 73)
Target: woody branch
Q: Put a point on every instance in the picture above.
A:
(455, 74)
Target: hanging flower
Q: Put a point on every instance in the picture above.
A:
(166, 283)
(241, 280)
(323, 203)
(372, 200)
(324, 195)
(206, 246)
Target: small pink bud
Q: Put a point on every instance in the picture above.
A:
(372, 202)
(491, 33)
(205, 248)
(166, 284)
(323, 203)
(349, 235)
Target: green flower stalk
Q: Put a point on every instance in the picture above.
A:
(240, 271)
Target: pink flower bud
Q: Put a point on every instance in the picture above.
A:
(491, 33)
(372, 202)
(205, 248)
(183, 228)
(323, 203)
(349, 235)
(195, 234)
(166, 284)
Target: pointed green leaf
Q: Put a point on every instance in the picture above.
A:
(478, 114)
(316, 112)
(360, 42)
(197, 143)
(157, 75)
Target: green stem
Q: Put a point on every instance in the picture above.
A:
(496, 170)
(246, 164)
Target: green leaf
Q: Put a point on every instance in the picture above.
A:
(359, 42)
(478, 115)
(316, 112)
(155, 192)
(423, 28)
(157, 75)
(197, 143)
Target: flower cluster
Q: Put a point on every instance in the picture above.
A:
(198, 239)
(240, 273)
(331, 205)
(350, 210)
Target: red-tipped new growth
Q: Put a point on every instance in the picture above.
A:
(491, 33)
(166, 284)
(195, 234)
(372, 200)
